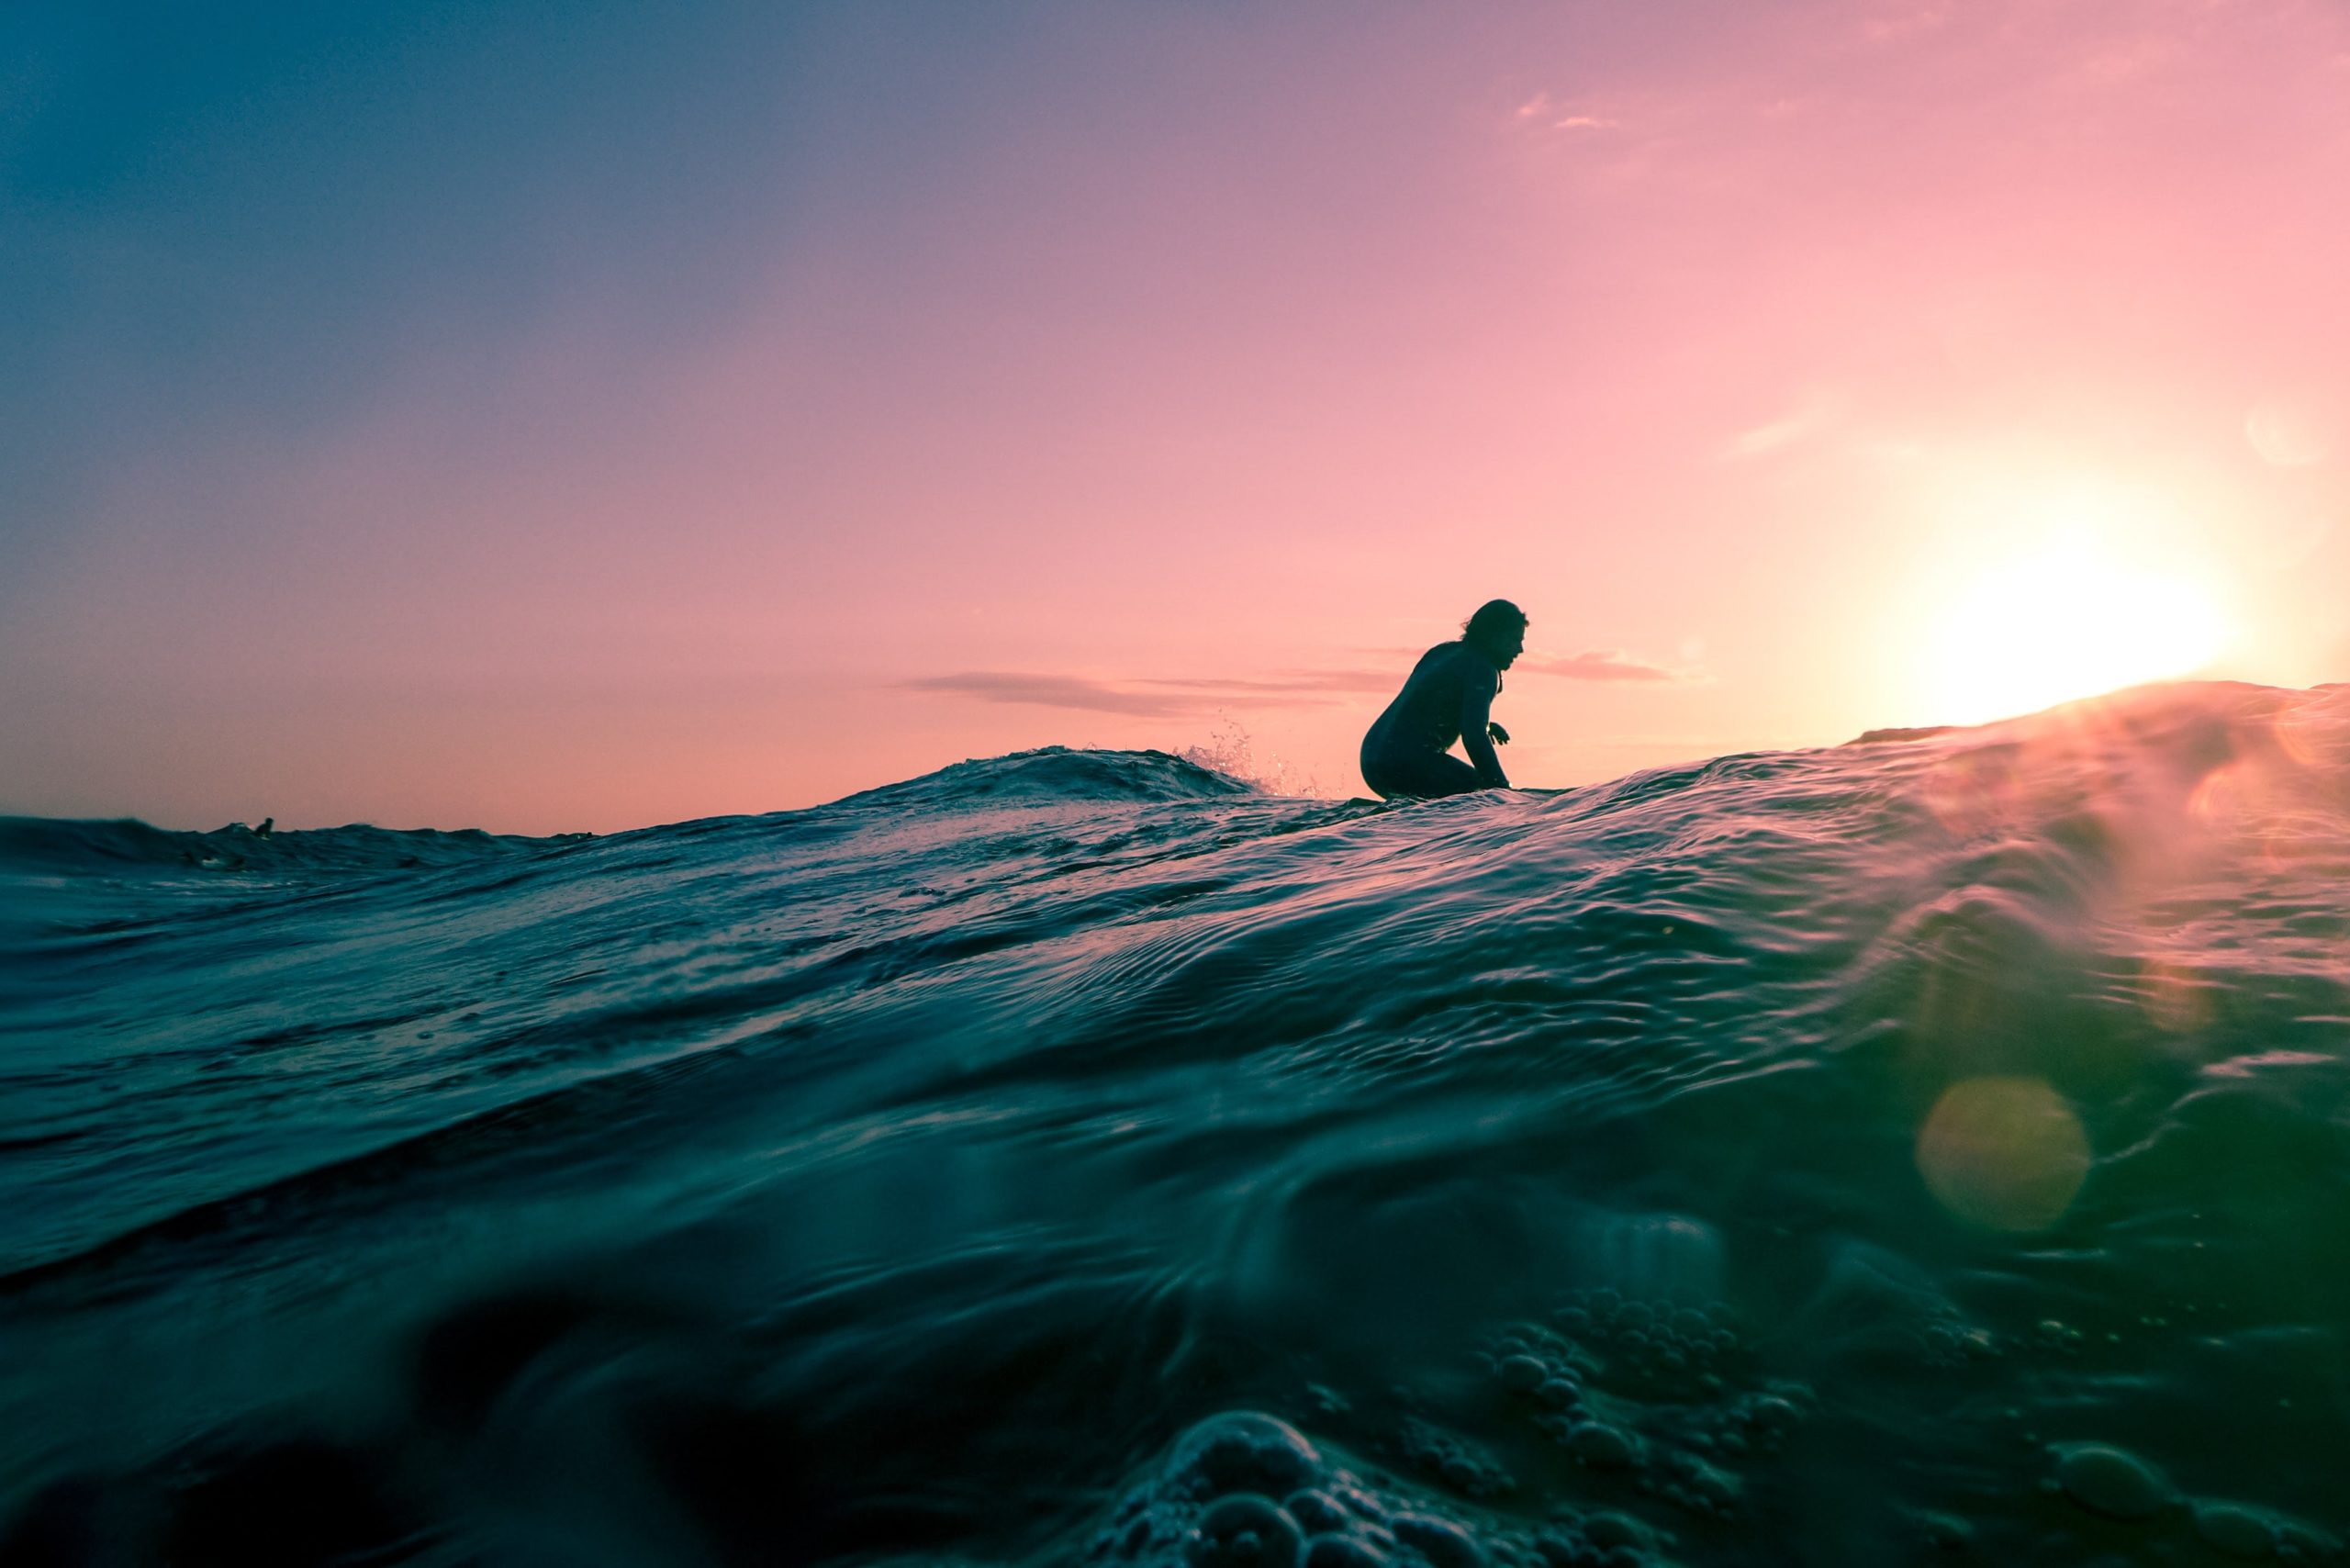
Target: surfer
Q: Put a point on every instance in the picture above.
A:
(1446, 698)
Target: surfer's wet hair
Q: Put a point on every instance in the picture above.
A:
(1495, 619)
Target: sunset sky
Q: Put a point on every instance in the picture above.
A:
(545, 418)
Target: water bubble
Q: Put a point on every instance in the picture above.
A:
(1244, 1451)
(2297, 1542)
(1597, 1444)
(1559, 1393)
(1463, 1466)
(2004, 1153)
(1523, 1374)
(1711, 1488)
(1245, 1531)
(1442, 1542)
(2234, 1531)
(1561, 1550)
(1943, 1532)
(1342, 1551)
(1614, 1529)
(1317, 1512)
(2110, 1481)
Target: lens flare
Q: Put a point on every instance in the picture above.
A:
(2308, 731)
(2004, 1153)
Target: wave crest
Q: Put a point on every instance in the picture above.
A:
(1055, 774)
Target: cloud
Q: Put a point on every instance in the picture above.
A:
(1542, 110)
(1892, 22)
(1599, 666)
(1818, 411)
(1053, 691)
(1294, 681)
(1163, 698)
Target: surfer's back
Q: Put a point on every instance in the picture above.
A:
(1426, 715)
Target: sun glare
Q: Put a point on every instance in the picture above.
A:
(2066, 620)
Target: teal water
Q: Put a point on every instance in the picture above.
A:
(1928, 1149)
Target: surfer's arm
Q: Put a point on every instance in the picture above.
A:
(1476, 703)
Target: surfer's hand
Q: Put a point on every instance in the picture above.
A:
(1500, 735)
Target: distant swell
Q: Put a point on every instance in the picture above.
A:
(36, 846)
(1056, 773)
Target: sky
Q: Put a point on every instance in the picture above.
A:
(547, 418)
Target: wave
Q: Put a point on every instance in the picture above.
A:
(46, 846)
(1932, 1140)
(1055, 774)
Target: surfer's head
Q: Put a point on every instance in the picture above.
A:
(1496, 630)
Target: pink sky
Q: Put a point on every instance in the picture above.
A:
(1142, 371)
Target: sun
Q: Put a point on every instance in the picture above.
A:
(2065, 617)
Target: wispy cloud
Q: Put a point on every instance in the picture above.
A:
(1541, 111)
(1817, 411)
(1150, 698)
(1290, 681)
(1599, 666)
(1890, 22)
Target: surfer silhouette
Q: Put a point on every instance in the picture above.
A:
(1447, 697)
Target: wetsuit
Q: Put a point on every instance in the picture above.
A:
(1447, 698)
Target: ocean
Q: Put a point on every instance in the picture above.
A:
(1934, 1148)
